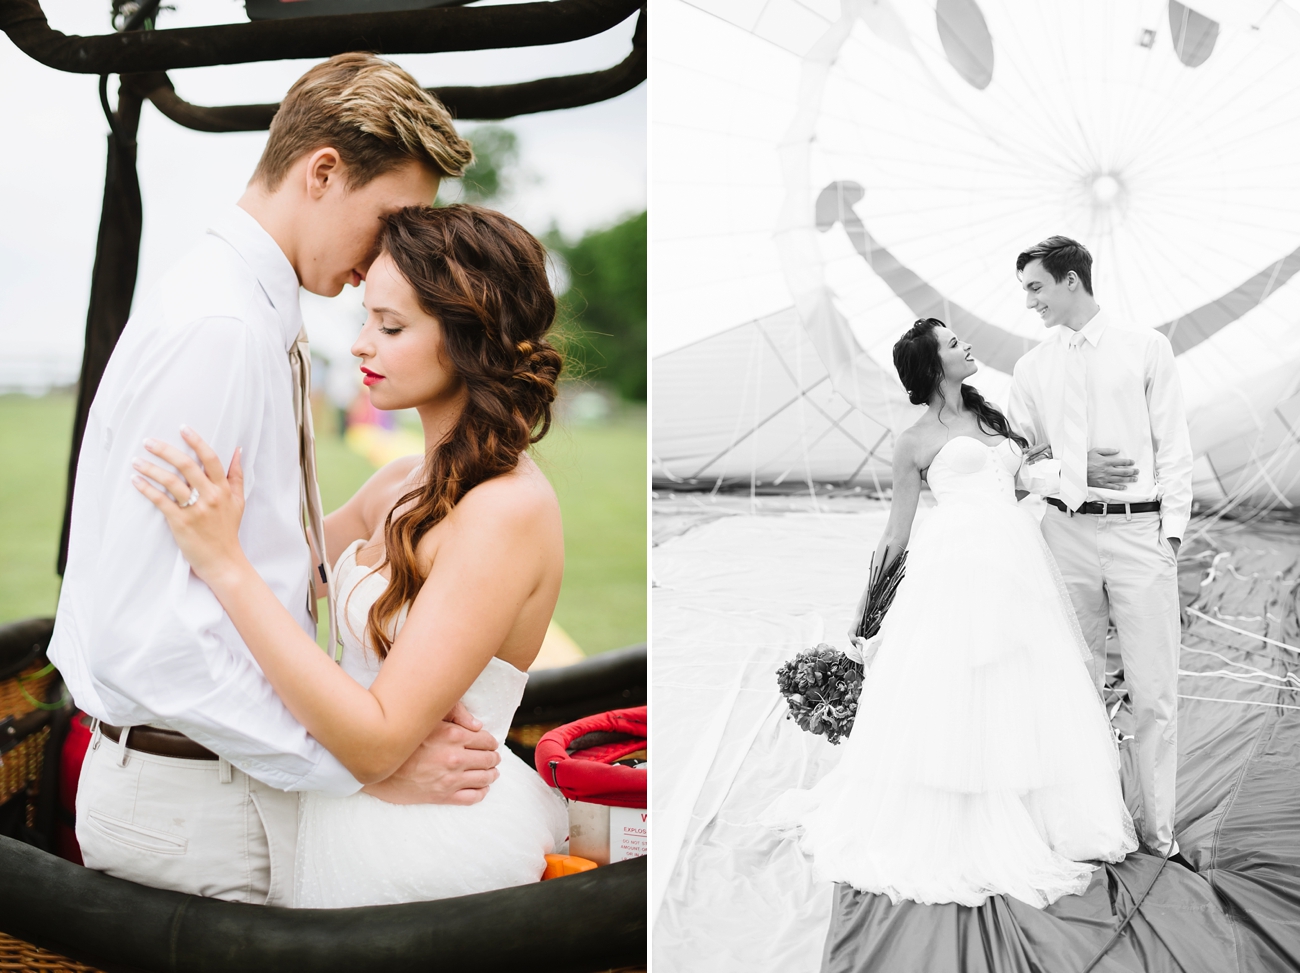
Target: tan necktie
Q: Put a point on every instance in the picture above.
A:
(1073, 452)
(309, 496)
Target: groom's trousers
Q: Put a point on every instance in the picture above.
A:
(197, 826)
(1119, 568)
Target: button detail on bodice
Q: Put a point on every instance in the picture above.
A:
(966, 467)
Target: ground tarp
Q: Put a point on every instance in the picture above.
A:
(741, 585)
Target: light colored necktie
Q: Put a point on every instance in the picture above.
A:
(309, 495)
(1073, 451)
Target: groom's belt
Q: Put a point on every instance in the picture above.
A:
(160, 743)
(1094, 507)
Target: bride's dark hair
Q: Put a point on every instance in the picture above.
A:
(916, 357)
(483, 276)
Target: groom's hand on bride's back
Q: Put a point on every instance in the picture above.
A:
(456, 764)
(1108, 469)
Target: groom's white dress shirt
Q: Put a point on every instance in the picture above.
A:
(1135, 404)
(138, 637)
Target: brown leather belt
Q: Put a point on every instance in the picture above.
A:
(1093, 507)
(160, 743)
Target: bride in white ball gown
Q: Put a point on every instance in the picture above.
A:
(981, 760)
(448, 566)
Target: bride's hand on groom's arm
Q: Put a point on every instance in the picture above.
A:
(456, 764)
(207, 529)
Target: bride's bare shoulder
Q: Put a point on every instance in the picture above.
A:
(505, 517)
(522, 496)
(917, 444)
(912, 439)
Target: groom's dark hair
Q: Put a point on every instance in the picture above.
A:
(1060, 255)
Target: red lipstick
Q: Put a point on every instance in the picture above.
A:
(371, 377)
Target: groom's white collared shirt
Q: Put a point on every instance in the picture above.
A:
(1135, 404)
(138, 638)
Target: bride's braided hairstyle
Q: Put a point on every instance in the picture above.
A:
(916, 357)
(483, 276)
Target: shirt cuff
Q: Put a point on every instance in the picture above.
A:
(1042, 478)
(1173, 525)
(329, 777)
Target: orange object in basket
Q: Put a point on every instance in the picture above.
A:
(561, 865)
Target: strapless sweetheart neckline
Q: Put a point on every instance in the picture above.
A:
(925, 473)
(974, 440)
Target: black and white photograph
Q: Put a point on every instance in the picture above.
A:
(975, 460)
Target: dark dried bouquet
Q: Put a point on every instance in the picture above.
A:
(821, 685)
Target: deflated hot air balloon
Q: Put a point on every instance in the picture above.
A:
(876, 162)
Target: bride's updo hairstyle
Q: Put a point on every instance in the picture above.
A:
(483, 276)
(916, 357)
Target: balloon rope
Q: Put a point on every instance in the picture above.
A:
(1239, 702)
(1128, 918)
(1251, 671)
(1242, 631)
(1243, 677)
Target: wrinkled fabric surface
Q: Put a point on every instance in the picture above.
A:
(745, 589)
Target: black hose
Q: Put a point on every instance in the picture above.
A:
(108, 110)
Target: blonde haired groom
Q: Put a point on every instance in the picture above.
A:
(192, 779)
(1107, 400)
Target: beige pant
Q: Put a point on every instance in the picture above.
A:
(198, 826)
(1120, 568)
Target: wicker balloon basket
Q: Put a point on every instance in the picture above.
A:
(17, 956)
(22, 705)
(30, 693)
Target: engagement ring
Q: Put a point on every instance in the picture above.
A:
(193, 498)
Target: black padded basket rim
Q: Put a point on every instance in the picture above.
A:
(22, 643)
(611, 680)
(592, 921)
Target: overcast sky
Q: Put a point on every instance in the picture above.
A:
(588, 167)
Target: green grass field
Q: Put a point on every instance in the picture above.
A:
(599, 473)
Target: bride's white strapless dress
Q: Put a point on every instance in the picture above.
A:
(981, 760)
(359, 850)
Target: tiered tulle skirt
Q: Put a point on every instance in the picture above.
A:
(981, 761)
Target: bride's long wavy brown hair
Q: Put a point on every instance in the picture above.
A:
(483, 276)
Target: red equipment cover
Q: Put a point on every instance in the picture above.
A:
(75, 745)
(590, 774)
